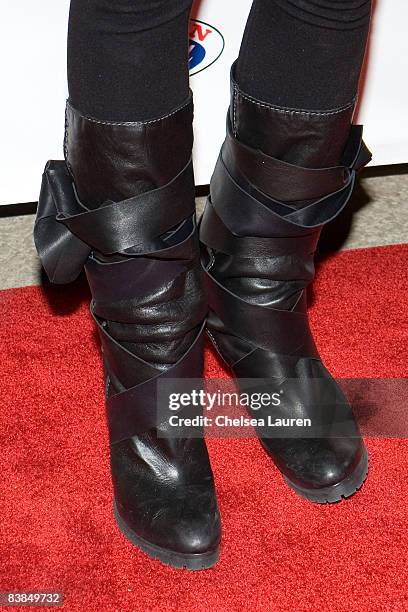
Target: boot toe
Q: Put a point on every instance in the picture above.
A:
(333, 479)
(185, 524)
(316, 463)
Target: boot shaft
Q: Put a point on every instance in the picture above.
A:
(115, 161)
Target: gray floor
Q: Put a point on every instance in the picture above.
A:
(377, 215)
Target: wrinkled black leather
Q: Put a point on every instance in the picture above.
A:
(260, 229)
(122, 205)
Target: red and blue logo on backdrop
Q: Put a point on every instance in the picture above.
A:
(206, 45)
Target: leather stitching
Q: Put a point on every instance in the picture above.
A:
(292, 111)
(234, 118)
(132, 123)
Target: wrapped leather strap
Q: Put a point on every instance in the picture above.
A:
(66, 231)
(216, 235)
(247, 210)
(135, 277)
(245, 214)
(281, 331)
(287, 182)
(123, 409)
(117, 226)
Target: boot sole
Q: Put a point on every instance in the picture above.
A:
(338, 492)
(192, 562)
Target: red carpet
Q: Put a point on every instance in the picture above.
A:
(279, 552)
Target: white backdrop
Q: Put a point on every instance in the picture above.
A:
(33, 70)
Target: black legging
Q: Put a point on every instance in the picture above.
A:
(127, 59)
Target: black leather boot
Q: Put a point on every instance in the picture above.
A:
(260, 229)
(122, 205)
